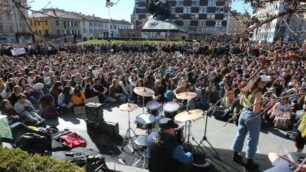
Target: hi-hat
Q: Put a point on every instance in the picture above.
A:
(190, 115)
(144, 91)
(186, 95)
(128, 107)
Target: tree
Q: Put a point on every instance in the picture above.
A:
(289, 9)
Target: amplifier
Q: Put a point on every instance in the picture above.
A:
(94, 113)
(109, 128)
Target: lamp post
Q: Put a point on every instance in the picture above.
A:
(109, 4)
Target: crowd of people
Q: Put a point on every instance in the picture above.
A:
(51, 80)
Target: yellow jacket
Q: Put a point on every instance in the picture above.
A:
(76, 100)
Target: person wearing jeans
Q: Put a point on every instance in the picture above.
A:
(249, 121)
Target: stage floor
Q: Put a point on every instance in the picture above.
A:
(220, 137)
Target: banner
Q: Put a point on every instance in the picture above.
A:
(18, 51)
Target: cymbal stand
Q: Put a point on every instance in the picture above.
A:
(143, 104)
(128, 138)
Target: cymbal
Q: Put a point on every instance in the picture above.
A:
(189, 115)
(186, 95)
(128, 107)
(144, 91)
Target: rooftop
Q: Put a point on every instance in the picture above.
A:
(62, 14)
(159, 25)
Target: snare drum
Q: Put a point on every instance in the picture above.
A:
(153, 107)
(141, 142)
(145, 121)
(171, 109)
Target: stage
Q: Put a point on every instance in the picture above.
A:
(220, 137)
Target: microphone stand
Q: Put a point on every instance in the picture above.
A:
(205, 139)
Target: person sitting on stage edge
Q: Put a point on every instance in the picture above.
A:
(284, 164)
(165, 154)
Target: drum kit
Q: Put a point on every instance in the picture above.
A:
(147, 120)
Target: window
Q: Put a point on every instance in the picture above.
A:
(8, 16)
(195, 3)
(203, 10)
(58, 32)
(1, 28)
(11, 29)
(179, 3)
(115, 26)
(211, 16)
(211, 2)
(57, 23)
(38, 23)
(64, 24)
(46, 23)
(218, 23)
(187, 10)
(23, 28)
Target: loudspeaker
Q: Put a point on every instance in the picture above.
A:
(109, 128)
(94, 113)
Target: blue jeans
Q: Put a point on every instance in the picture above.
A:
(247, 123)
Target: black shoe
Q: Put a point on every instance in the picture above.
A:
(237, 158)
(251, 165)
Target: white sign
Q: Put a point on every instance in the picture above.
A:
(18, 51)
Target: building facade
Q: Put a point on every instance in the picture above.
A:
(55, 24)
(60, 24)
(235, 23)
(277, 29)
(93, 27)
(197, 17)
(13, 24)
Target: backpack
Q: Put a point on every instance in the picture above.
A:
(33, 143)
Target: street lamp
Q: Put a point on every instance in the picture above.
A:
(108, 5)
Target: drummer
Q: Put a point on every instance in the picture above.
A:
(159, 91)
(184, 86)
(164, 153)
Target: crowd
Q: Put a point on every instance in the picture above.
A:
(51, 80)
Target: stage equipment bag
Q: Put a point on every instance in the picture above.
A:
(33, 143)
(73, 140)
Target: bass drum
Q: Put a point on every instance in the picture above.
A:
(200, 163)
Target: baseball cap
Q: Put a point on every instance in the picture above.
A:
(167, 123)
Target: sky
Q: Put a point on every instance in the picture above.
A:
(122, 10)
